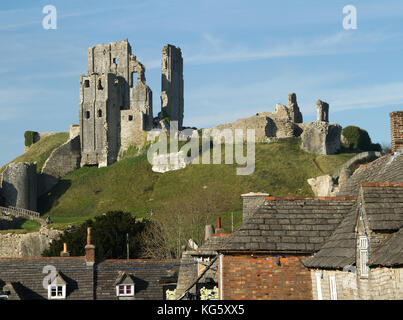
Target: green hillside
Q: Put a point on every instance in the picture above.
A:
(40, 151)
(184, 200)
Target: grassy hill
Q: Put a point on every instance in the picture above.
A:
(184, 200)
(41, 150)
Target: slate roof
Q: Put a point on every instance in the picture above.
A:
(388, 168)
(210, 247)
(339, 250)
(26, 276)
(290, 225)
(84, 282)
(390, 254)
(150, 277)
(383, 203)
(383, 206)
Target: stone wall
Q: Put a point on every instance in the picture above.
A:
(381, 284)
(321, 137)
(265, 277)
(19, 185)
(63, 159)
(27, 245)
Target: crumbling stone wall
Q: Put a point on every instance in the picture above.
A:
(27, 245)
(322, 111)
(321, 137)
(63, 159)
(19, 185)
(172, 103)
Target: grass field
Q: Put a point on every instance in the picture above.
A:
(184, 200)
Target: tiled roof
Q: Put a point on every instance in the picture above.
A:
(383, 206)
(26, 277)
(383, 203)
(290, 225)
(147, 276)
(390, 254)
(339, 250)
(387, 168)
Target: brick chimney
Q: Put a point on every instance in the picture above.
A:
(65, 253)
(396, 126)
(89, 250)
(219, 230)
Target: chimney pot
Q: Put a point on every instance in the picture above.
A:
(64, 253)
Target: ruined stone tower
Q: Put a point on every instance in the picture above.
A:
(115, 109)
(172, 84)
(322, 111)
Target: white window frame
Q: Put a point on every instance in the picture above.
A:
(363, 257)
(125, 294)
(318, 286)
(56, 287)
(333, 287)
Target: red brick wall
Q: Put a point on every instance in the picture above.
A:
(259, 278)
(396, 126)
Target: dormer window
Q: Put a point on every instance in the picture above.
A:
(124, 285)
(125, 290)
(57, 288)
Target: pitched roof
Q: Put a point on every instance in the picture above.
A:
(390, 254)
(339, 250)
(387, 168)
(210, 247)
(290, 225)
(383, 206)
(146, 274)
(26, 277)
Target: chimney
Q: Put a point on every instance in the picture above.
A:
(89, 250)
(252, 202)
(65, 253)
(396, 126)
(219, 229)
(209, 232)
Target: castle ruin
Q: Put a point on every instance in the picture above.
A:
(116, 109)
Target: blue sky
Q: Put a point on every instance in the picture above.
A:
(240, 57)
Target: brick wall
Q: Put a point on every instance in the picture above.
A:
(396, 126)
(258, 277)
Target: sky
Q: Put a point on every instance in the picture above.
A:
(240, 58)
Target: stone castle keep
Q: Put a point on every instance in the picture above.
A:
(116, 108)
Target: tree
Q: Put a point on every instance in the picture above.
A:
(358, 139)
(108, 234)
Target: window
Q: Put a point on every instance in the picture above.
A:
(99, 113)
(318, 286)
(333, 288)
(100, 87)
(363, 256)
(87, 83)
(130, 118)
(56, 292)
(87, 114)
(125, 290)
(115, 60)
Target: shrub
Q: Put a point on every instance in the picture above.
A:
(358, 139)
(30, 137)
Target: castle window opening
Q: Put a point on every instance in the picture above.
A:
(115, 60)
(87, 83)
(99, 113)
(100, 87)
(130, 118)
(87, 114)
